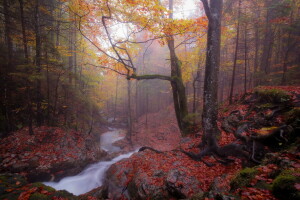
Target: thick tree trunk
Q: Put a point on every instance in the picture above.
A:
(8, 68)
(210, 106)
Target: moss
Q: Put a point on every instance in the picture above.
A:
(263, 185)
(266, 105)
(45, 187)
(243, 178)
(10, 196)
(11, 180)
(63, 194)
(272, 96)
(292, 116)
(197, 196)
(38, 196)
(283, 186)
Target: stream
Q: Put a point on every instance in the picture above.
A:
(93, 176)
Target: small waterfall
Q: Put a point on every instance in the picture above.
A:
(93, 175)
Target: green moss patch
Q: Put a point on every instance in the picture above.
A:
(284, 186)
(41, 185)
(243, 178)
(38, 196)
(272, 96)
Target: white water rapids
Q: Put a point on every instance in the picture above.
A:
(93, 175)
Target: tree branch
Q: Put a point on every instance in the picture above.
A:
(207, 9)
(150, 76)
(103, 67)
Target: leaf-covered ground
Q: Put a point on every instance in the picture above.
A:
(172, 174)
(158, 130)
(49, 152)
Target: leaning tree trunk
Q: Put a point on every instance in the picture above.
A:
(179, 95)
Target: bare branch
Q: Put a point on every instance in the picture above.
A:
(207, 9)
(103, 67)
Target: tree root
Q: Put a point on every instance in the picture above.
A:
(149, 148)
(221, 154)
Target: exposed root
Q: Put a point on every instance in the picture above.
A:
(150, 148)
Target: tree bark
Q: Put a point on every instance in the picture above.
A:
(8, 68)
(179, 95)
(210, 106)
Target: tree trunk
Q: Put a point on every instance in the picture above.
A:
(8, 68)
(38, 48)
(24, 31)
(268, 39)
(246, 59)
(129, 122)
(235, 54)
(210, 105)
(116, 98)
(179, 95)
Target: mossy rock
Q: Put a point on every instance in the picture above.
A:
(284, 186)
(272, 96)
(243, 178)
(39, 196)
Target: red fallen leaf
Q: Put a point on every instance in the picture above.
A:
(18, 183)
(296, 165)
(297, 186)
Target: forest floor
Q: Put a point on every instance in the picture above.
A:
(167, 175)
(171, 174)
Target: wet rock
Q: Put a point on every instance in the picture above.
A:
(180, 185)
(19, 166)
(33, 162)
(218, 189)
(142, 187)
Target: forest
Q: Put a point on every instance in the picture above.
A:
(140, 99)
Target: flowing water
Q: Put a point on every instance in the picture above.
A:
(93, 175)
